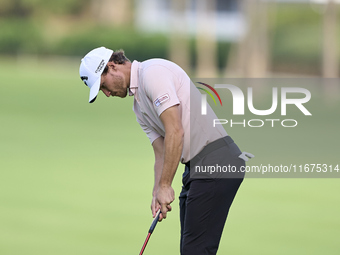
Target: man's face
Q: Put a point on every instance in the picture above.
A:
(113, 83)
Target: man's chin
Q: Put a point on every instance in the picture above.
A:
(123, 95)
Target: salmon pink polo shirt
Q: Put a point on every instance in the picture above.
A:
(159, 84)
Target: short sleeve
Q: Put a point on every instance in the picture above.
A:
(159, 85)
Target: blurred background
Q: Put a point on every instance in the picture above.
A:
(77, 178)
(207, 38)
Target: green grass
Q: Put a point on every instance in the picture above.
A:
(77, 178)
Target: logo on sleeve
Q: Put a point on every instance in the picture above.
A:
(161, 100)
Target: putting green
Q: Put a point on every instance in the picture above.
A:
(77, 178)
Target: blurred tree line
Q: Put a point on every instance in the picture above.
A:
(281, 37)
(73, 27)
(29, 8)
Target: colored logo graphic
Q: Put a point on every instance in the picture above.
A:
(209, 93)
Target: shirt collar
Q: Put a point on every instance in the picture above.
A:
(134, 78)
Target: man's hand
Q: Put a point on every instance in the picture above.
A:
(163, 198)
(154, 208)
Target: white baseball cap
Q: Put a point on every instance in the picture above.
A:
(92, 67)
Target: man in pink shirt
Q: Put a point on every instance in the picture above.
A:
(165, 103)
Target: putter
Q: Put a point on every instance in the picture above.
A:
(153, 225)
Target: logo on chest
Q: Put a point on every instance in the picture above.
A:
(161, 100)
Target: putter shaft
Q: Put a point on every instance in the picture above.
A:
(152, 227)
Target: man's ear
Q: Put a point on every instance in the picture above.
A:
(112, 65)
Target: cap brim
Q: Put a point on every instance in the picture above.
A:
(94, 91)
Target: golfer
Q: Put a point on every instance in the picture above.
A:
(164, 98)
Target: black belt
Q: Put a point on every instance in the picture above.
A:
(215, 145)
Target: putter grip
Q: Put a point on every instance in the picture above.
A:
(154, 223)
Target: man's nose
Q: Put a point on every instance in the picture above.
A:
(106, 92)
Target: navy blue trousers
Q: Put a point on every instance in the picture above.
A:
(204, 206)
